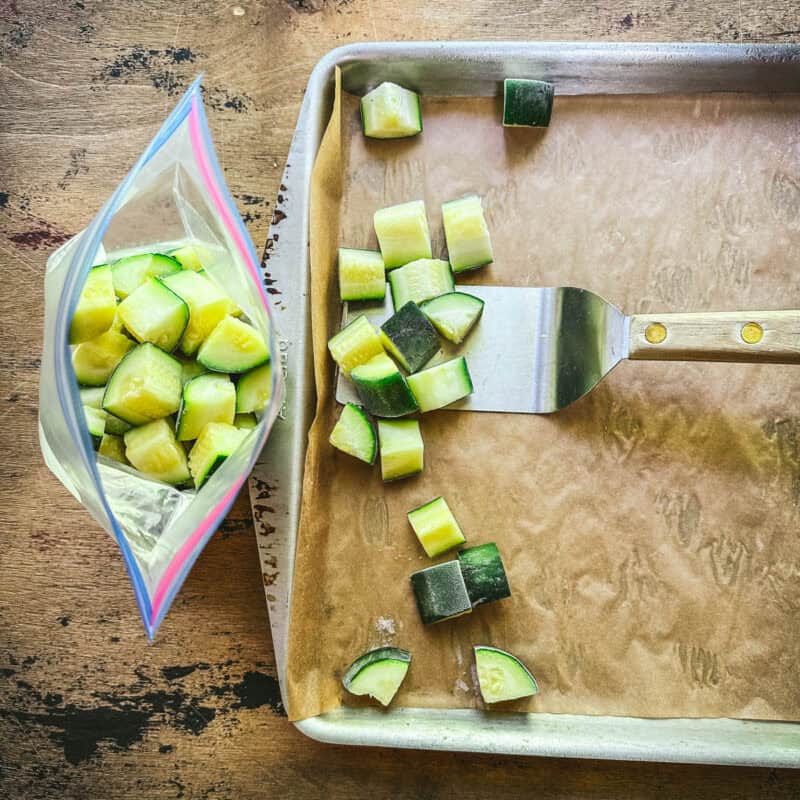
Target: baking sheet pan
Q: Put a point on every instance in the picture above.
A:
(460, 69)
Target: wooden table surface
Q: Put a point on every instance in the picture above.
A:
(87, 708)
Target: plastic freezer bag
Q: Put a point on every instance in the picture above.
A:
(174, 195)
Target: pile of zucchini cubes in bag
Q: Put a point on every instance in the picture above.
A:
(157, 342)
(388, 367)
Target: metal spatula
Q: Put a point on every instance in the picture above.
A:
(538, 350)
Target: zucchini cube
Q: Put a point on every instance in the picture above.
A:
(468, 243)
(435, 527)
(440, 592)
(402, 448)
(420, 280)
(355, 344)
(484, 574)
(97, 306)
(403, 233)
(527, 103)
(362, 275)
(390, 112)
(410, 338)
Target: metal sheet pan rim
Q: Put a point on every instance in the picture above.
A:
(696, 67)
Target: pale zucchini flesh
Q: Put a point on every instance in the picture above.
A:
(502, 676)
(419, 281)
(131, 272)
(146, 385)
(440, 385)
(95, 360)
(454, 314)
(353, 434)
(362, 275)
(215, 443)
(254, 389)
(403, 233)
(245, 421)
(208, 305)
(113, 447)
(233, 346)
(154, 313)
(154, 451)
(390, 112)
(469, 245)
(207, 398)
(435, 527)
(97, 306)
(378, 673)
(355, 344)
(401, 447)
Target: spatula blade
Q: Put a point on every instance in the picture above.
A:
(533, 351)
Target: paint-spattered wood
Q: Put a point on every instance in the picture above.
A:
(87, 708)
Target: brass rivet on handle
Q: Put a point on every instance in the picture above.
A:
(655, 333)
(752, 333)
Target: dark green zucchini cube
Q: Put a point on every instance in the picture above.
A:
(484, 574)
(527, 103)
(440, 592)
(410, 337)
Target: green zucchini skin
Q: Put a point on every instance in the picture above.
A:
(378, 673)
(440, 593)
(373, 657)
(527, 103)
(385, 394)
(412, 339)
(484, 574)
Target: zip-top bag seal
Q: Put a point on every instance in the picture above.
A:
(174, 196)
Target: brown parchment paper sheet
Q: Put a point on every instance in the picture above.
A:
(650, 531)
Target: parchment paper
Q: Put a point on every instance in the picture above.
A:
(650, 531)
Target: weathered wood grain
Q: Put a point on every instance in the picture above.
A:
(88, 708)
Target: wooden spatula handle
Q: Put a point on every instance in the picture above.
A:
(771, 336)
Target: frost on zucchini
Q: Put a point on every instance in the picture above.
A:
(390, 112)
(409, 337)
(378, 673)
(440, 593)
(527, 103)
